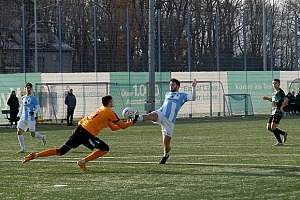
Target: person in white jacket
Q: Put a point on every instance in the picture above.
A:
(29, 107)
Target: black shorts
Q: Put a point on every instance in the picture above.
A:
(274, 119)
(82, 136)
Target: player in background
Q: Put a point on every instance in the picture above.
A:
(85, 133)
(29, 107)
(167, 113)
(279, 101)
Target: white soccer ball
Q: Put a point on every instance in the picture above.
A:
(128, 113)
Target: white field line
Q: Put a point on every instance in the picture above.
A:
(190, 155)
(104, 160)
(156, 163)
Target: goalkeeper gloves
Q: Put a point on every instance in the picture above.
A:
(31, 113)
(136, 116)
(18, 118)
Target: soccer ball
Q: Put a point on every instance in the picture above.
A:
(128, 113)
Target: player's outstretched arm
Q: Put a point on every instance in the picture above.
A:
(112, 126)
(267, 98)
(194, 83)
(123, 125)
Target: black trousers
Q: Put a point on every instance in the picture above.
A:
(13, 116)
(70, 113)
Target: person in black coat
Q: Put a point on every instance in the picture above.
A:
(70, 101)
(13, 103)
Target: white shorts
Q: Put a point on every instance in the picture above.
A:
(167, 127)
(24, 125)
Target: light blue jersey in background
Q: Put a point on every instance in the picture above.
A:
(28, 104)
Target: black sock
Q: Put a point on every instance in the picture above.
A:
(278, 131)
(277, 135)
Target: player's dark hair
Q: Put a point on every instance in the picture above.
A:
(106, 100)
(276, 79)
(175, 80)
(28, 84)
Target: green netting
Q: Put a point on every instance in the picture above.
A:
(295, 86)
(239, 104)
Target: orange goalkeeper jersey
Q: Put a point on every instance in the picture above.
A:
(102, 117)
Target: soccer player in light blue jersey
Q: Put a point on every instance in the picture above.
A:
(29, 107)
(167, 113)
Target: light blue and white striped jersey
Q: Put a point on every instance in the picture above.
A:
(28, 104)
(172, 104)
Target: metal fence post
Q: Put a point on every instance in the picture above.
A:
(296, 42)
(217, 41)
(151, 62)
(271, 44)
(95, 38)
(24, 39)
(128, 50)
(60, 39)
(245, 49)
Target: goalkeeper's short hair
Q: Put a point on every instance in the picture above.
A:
(106, 100)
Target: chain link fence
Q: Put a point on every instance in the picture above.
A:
(81, 36)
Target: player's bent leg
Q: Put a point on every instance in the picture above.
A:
(63, 150)
(39, 136)
(102, 149)
(285, 137)
(150, 117)
(276, 133)
(32, 134)
(273, 126)
(167, 144)
(49, 152)
(268, 127)
(20, 131)
(102, 146)
(94, 155)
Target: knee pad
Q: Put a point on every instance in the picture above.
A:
(63, 150)
(102, 146)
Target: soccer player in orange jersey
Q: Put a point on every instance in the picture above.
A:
(85, 133)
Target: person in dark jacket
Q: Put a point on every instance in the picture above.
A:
(70, 101)
(13, 103)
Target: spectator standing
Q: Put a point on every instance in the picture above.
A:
(70, 101)
(13, 103)
(298, 102)
(291, 107)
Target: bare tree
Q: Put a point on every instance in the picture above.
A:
(111, 32)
